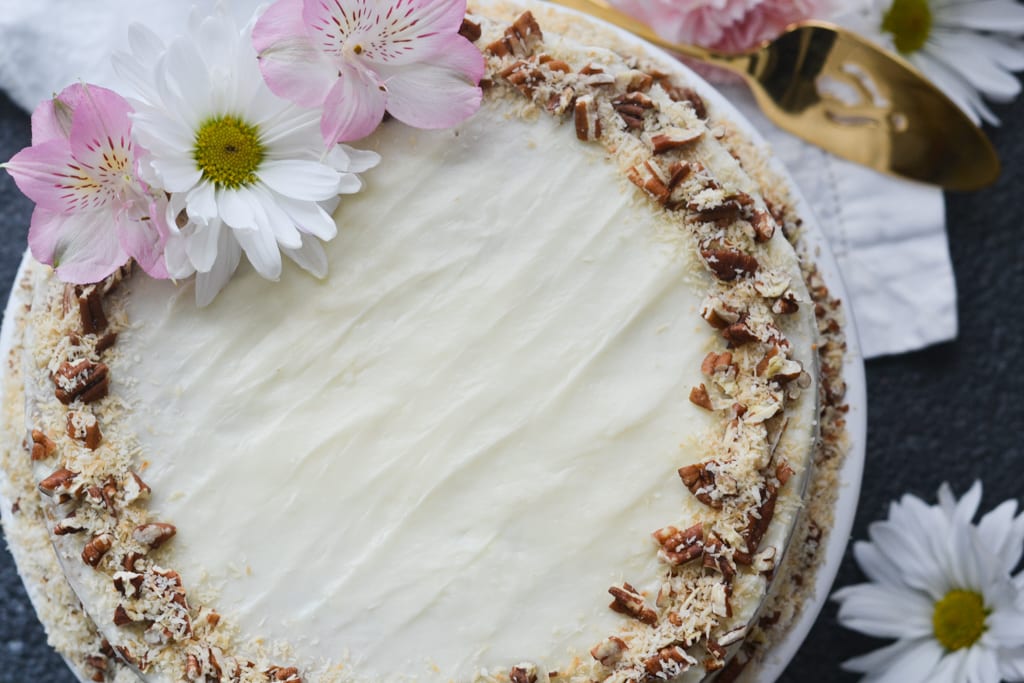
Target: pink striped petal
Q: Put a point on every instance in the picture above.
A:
(48, 175)
(354, 107)
(396, 33)
(144, 239)
(435, 95)
(292, 66)
(52, 118)
(101, 135)
(87, 249)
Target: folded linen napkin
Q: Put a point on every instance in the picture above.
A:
(888, 236)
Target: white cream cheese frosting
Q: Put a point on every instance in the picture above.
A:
(446, 452)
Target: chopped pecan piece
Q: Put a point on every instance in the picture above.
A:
(83, 426)
(84, 380)
(764, 226)
(717, 556)
(98, 664)
(57, 482)
(738, 334)
(718, 314)
(670, 663)
(88, 300)
(131, 561)
(42, 446)
(629, 602)
(764, 561)
(69, 525)
(786, 304)
(121, 616)
(524, 76)
(728, 263)
(679, 547)
(135, 488)
(723, 214)
(716, 362)
(609, 651)
(588, 124)
(701, 482)
(777, 367)
(733, 669)
(674, 138)
(105, 342)
(680, 94)
(699, 396)
(128, 584)
(523, 673)
(783, 472)
(758, 521)
(192, 669)
(519, 39)
(154, 535)
(96, 548)
(470, 31)
(283, 674)
(632, 107)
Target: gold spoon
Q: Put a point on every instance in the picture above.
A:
(902, 124)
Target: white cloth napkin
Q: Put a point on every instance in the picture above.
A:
(888, 236)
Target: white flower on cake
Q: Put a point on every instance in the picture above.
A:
(970, 49)
(942, 586)
(245, 171)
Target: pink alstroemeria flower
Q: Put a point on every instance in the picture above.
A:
(726, 25)
(92, 212)
(358, 58)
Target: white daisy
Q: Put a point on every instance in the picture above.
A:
(968, 48)
(244, 169)
(941, 586)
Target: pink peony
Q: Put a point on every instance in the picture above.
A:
(93, 213)
(725, 25)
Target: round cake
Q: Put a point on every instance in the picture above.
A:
(551, 417)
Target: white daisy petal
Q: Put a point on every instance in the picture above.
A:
(915, 666)
(203, 244)
(885, 612)
(949, 668)
(310, 218)
(984, 15)
(310, 256)
(261, 249)
(237, 208)
(208, 285)
(876, 566)
(345, 158)
(274, 219)
(303, 180)
(201, 202)
(880, 659)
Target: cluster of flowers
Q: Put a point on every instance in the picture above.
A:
(231, 140)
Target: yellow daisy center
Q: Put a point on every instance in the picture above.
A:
(910, 23)
(959, 619)
(228, 151)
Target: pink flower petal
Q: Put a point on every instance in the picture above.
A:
(354, 107)
(43, 234)
(434, 95)
(87, 249)
(395, 33)
(52, 118)
(292, 66)
(144, 239)
(48, 175)
(101, 126)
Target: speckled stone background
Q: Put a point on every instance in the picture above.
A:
(953, 413)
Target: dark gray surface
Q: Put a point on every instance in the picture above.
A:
(951, 413)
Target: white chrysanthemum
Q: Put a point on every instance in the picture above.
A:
(968, 48)
(942, 586)
(245, 169)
